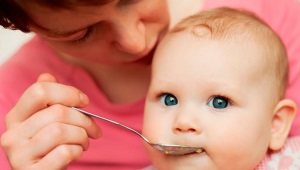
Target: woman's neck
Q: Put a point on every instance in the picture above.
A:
(120, 83)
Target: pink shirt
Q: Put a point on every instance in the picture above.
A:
(116, 149)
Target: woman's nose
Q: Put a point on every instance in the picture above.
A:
(131, 37)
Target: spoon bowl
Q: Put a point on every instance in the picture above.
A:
(165, 148)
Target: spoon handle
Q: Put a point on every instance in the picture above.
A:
(110, 121)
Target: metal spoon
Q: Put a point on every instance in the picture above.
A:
(165, 148)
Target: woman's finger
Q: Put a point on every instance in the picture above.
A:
(56, 134)
(58, 114)
(46, 77)
(60, 157)
(33, 149)
(41, 95)
(44, 131)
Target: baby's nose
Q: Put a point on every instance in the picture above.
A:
(187, 123)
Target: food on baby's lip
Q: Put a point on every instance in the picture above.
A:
(199, 150)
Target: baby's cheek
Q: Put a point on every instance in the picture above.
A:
(235, 154)
(225, 148)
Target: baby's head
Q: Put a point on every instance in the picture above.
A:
(218, 82)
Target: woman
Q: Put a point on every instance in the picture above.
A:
(100, 52)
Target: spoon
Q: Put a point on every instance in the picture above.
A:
(165, 148)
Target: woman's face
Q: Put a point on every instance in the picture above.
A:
(120, 32)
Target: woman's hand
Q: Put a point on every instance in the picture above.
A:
(43, 131)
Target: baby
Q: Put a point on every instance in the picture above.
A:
(218, 82)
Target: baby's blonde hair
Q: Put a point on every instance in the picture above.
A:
(232, 24)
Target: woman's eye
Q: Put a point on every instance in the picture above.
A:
(127, 2)
(84, 37)
(168, 100)
(218, 102)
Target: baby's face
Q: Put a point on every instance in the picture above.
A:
(211, 94)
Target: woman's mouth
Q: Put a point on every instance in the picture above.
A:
(147, 60)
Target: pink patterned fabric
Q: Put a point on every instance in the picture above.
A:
(288, 158)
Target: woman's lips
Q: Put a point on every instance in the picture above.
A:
(148, 58)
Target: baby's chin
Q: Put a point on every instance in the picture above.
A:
(194, 161)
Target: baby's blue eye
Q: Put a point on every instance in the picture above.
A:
(168, 100)
(218, 102)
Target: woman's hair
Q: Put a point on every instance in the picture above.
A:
(12, 15)
(227, 24)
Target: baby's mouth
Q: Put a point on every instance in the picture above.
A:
(197, 152)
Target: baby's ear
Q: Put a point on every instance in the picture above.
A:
(282, 120)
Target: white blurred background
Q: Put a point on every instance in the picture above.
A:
(10, 41)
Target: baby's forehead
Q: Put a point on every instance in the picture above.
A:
(203, 62)
(244, 48)
(186, 52)
(258, 48)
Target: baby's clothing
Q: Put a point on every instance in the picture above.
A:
(288, 158)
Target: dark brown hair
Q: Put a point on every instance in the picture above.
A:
(12, 16)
